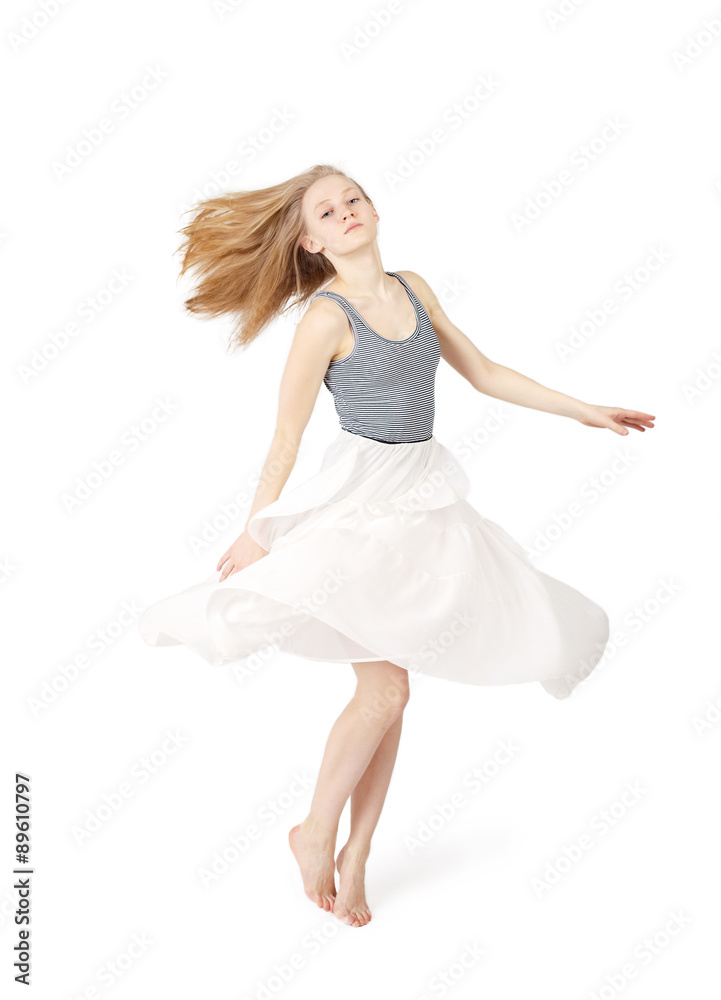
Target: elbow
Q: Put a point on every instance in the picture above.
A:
(484, 377)
(288, 436)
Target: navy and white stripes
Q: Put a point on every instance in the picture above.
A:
(385, 389)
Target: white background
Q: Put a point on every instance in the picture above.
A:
(367, 107)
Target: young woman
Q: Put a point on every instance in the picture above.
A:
(378, 559)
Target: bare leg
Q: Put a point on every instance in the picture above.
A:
(366, 804)
(378, 702)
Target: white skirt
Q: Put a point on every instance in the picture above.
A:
(379, 556)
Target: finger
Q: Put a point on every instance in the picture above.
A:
(222, 559)
(635, 415)
(629, 416)
(630, 422)
(226, 571)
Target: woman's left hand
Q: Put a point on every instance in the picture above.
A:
(615, 418)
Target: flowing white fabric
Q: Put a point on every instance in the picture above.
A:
(379, 556)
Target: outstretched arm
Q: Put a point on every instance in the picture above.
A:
(504, 383)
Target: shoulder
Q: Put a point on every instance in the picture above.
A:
(422, 290)
(323, 311)
(323, 321)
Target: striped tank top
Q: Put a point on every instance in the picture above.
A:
(385, 389)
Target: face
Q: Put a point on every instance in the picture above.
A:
(331, 206)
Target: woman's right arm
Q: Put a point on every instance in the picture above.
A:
(317, 338)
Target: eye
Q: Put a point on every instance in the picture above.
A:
(354, 198)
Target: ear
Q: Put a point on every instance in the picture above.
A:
(310, 245)
(313, 247)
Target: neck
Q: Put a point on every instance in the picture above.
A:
(361, 275)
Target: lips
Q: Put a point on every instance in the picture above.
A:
(354, 226)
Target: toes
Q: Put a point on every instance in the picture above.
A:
(351, 918)
(324, 901)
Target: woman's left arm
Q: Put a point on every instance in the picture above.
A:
(504, 383)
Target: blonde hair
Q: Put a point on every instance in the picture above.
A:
(246, 248)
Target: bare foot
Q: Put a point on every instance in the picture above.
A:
(314, 855)
(350, 905)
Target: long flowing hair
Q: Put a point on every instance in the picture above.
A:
(246, 248)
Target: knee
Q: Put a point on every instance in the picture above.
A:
(384, 703)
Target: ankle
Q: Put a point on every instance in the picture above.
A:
(318, 832)
(356, 851)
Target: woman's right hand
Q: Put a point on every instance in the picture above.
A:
(244, 551)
